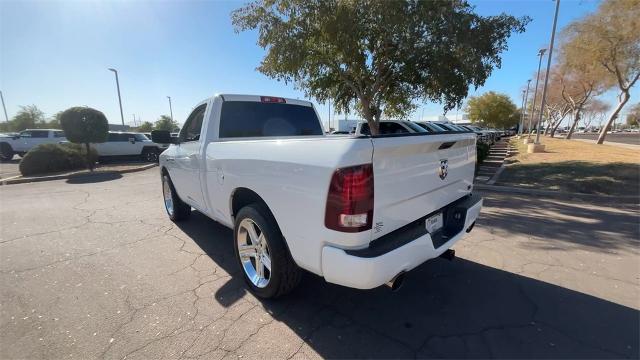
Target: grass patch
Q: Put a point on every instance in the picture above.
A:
(575, 166)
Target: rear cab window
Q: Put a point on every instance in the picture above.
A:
(241, 119)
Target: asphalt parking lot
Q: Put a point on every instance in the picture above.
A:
(10, 168)
(94, 269)
(621, 138)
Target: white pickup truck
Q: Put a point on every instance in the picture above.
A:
(28, 139)
(359, 211)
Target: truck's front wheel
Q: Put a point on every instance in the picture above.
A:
(267, 266)
(6, 152)
(176, 208)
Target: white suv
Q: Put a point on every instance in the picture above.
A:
(129, 144)
(26, 140)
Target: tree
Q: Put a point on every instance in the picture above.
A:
(382, 55)
(28, 117)
(577, 89)
(493, 109)
(595, 109)
(84, 125)
(633, 118)
(555, 107)
(145, 127)
(165, 123)
(608, 42)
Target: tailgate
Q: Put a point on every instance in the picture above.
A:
(418, 174)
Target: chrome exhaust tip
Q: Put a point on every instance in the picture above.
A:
(396, 283)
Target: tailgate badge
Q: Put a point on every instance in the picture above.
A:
(444, 169)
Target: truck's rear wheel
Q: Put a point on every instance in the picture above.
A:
(176, 208)
(150, 155)
(6, 152)
(267, 266)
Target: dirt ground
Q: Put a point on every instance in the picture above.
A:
(575, 166)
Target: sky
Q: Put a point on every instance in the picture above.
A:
(56, 54)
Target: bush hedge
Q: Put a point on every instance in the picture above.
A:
(48, 158)
(482, 151)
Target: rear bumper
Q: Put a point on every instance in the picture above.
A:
(371, 267)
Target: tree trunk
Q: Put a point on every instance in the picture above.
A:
(614, 116)
(555, 127)
(89, 160)
(576, 119)
(547, 129)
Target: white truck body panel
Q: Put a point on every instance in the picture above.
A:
(292, 176)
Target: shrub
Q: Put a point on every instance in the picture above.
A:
(48, 158)
(482, 151)
(84, 125)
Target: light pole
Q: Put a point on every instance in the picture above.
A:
(535, 93)
(4, 107)
(546, 76)
(329, 114)
(524, 107)
(521, 114)
(119, 98)
(170, 109)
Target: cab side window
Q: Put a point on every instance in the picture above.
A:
(35, 134)
(192, 127)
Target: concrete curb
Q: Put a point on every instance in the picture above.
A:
(505, 160)
(552, 193)
(21, 180)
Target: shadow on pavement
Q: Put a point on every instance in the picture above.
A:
(446, 309)
(575, 224)
(94, 178)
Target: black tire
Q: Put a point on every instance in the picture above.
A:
(6, 152)
(180, 211)
(285, 274)
(150, 155)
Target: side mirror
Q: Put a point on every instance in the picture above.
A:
(163, 137)
(132, 140)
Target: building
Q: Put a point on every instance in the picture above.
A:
(347, 124)
(118, 127)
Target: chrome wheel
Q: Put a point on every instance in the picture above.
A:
(168, 197)
(253, 251)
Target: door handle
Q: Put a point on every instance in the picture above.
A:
(170, 159)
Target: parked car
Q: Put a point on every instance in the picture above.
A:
(26, 140)
(483, 136)
(129, 144)
(386, 127)
(359, 211)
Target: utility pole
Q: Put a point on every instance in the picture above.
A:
(522, 113)
(4, 107)
(535, 94)
(119, 98)
(524, 108)
(546, 76)
(170, 108)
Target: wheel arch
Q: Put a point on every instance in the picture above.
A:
(241, 197)
(149, 148)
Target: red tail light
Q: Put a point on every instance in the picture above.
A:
(271, 99)
(350, 199)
